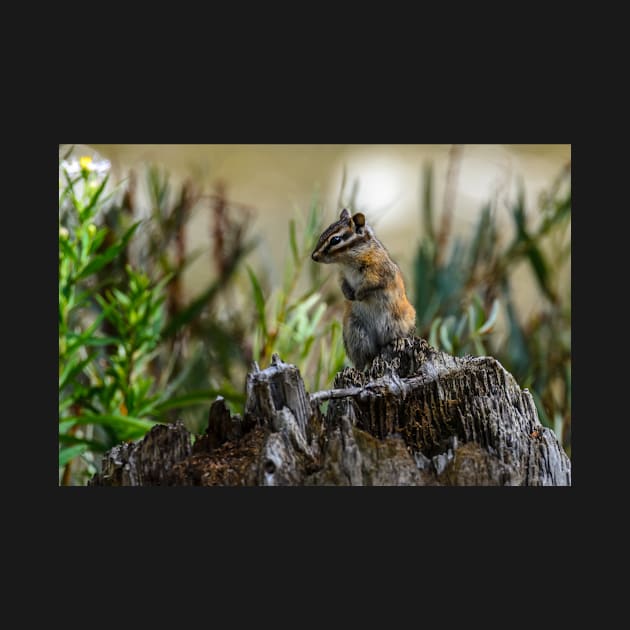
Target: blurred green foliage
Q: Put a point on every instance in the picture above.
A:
(134, 350)
(102, 377)
(464, 292)
(295, 320)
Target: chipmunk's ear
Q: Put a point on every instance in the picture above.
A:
(344, 215)
(359, 220)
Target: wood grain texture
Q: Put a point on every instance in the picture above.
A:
(416, 416)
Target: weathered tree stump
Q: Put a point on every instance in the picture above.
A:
(416, 416)
(147, 462)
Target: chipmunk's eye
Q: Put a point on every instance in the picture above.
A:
(335, 239)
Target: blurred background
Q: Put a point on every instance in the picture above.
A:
(482, 234)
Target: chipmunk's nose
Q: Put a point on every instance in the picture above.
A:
(315, 256)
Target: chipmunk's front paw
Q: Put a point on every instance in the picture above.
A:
(348, 291)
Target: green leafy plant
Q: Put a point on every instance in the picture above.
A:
(205, 350)
(133, 348)
(102, 378)
(464, 334)
(295, 321)
(465, 297)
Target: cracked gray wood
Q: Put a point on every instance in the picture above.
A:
(416, 416)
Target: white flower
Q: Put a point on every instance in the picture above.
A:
(74, 166)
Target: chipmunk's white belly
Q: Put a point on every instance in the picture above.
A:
(352, 276)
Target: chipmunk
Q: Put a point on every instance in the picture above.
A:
(377, 311)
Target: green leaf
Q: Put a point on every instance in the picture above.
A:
(91, 329)
(424, 282)
(66, 425)
(492, 318)
(293, 242)
(112, 313)
(518, 212)
(70, 190)
(121, 298)
(95, 196)
(433, 334)
(109, 254)
(480, 315)
(555, 210)
(85, 245)
(90, 444)
(558, 426)
(446, 342)
(71, 369)
(480, 350)
(259, 300)
(563, 208)
(66, 454)
(158, 186)
(316, 318)
(64, 404)
(68, 250)
(306, 347)
(472, 320)
(542, 414)
(459, 329)
(102, 341)
(74, 340)
(517, 349)
(99, 237)
(537, 261)
(126, 427)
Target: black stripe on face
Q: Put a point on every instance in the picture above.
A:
(335, 227)
(335, 245)
(345, 244)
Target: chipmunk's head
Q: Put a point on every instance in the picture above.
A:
(342, 240)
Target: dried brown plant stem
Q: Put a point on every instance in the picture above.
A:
(454, 161)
